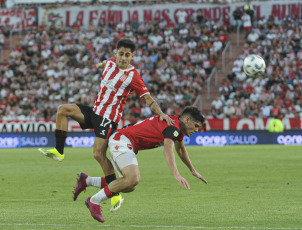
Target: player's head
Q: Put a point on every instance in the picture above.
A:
(191, 120)
(124, 53)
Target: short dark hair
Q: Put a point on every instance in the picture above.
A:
(193, 112)
(126, 43)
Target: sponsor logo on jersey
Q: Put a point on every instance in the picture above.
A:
(129, 146)
(175, 133)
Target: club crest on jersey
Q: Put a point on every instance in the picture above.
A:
(175, 133)
(123, 77)
(117, 147)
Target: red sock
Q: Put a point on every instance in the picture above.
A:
(107, 192)
(103, 182)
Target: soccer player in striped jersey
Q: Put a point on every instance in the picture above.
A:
(119, 80)
(150, 133)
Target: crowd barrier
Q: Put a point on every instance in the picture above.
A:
(86, 139)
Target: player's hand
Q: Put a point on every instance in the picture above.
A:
(195, 173)
(182, 182)
(168, 119)
(100, 65)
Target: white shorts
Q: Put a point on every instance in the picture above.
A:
(121, 153)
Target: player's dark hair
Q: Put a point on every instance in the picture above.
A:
(126, 43)
(195, 113)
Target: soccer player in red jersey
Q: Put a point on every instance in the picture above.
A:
(119, 80)
(150, 133)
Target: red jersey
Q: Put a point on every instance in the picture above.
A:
(116, 86)
(150, 133)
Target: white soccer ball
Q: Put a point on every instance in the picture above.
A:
(254, 66)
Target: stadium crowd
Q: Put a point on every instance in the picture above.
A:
(279, 91)
(56, 65)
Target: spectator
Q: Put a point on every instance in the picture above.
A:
(181, 16)
(252, 37)
(275, 125)
(229, 110)
(249, 8)
(200, 17)
(237, 14)
(2, 38)
(217, 103)
(247, 24)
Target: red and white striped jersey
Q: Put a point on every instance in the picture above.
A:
(116, 86)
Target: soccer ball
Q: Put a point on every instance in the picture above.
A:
(254, 66)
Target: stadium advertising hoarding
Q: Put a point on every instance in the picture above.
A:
(212, 124)
(99, 15)
(86, 139)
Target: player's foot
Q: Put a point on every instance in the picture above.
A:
(116, 203)
(52, 153)
(80, 186)
(95, 210)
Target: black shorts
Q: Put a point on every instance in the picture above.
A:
(103, 127)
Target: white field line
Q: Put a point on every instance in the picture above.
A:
(153, 226)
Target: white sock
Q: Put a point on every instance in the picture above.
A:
(99, 197)
(94, 181)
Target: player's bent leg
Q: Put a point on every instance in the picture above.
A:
(99, 152)
(64, 111)
(127, 183)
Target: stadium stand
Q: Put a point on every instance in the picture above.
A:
(55, 65)
(278, 92)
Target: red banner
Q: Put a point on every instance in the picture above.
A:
(251, 123)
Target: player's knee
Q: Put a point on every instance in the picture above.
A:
(99, 155)
(133, 182)
(62, 110)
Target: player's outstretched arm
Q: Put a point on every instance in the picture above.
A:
(184, 156)
(157, 110)
(100, 65)
(170, 159)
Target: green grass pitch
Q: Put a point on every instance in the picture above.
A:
(250, 187)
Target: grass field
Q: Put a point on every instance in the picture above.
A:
(250, 187)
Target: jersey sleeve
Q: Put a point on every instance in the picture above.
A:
(107, 64)
(110, 59)
(172, 133)
(138, 85)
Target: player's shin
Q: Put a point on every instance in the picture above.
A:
(99, 182)
(60, 140)
(102, 195)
